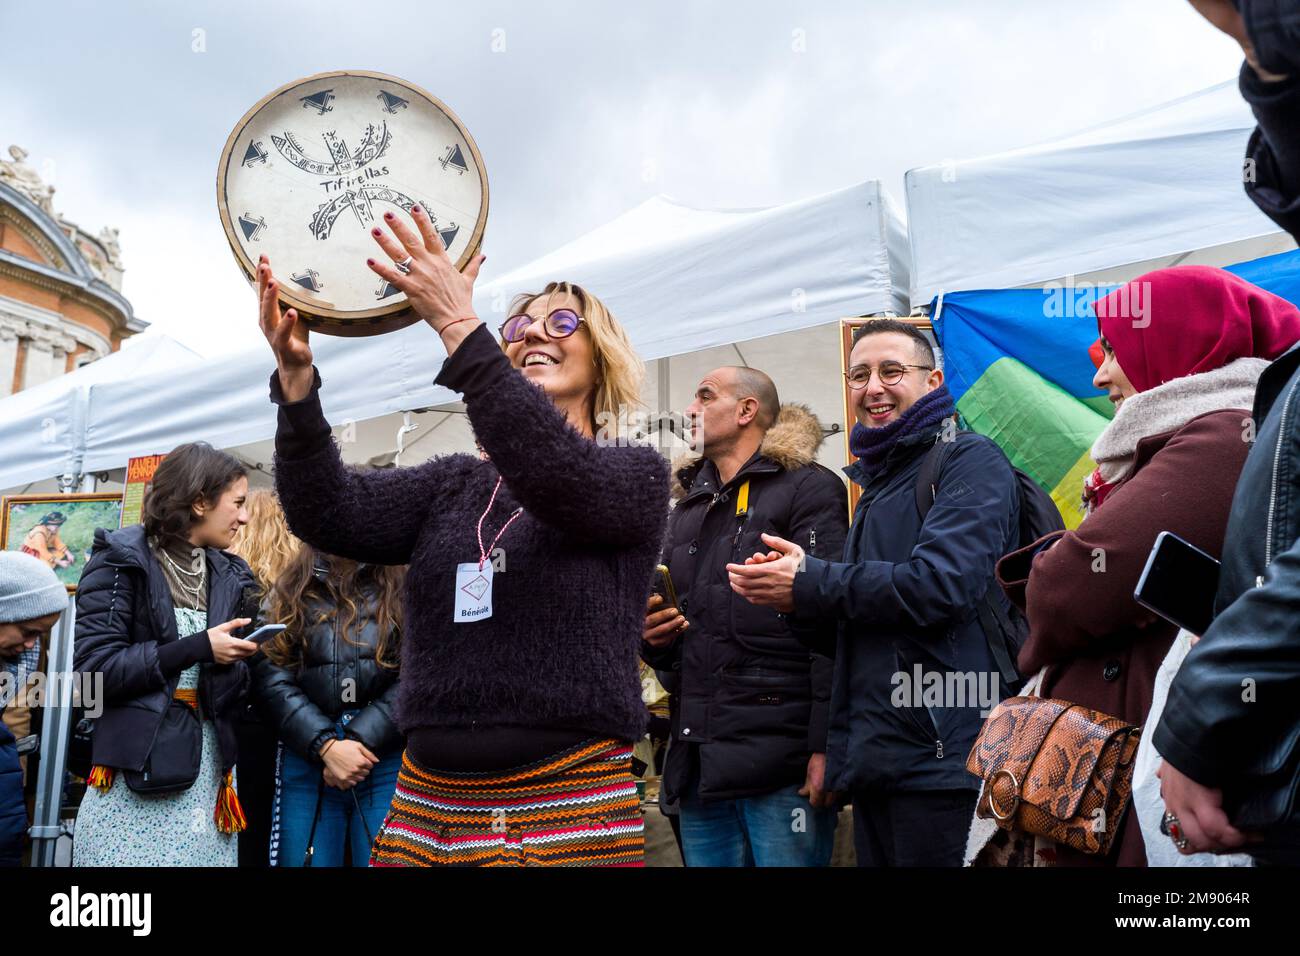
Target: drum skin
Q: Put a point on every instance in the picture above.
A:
(312, 168)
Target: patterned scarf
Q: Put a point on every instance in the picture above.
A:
(872, 446)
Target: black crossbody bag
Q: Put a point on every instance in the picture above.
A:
(176, 755)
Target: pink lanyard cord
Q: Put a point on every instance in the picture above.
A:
(483, 552)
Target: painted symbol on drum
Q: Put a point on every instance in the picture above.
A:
(449, 234)
(319, 101)
(455, 159)
(361, 201)
(386, 289)
(308, 279)
(390, 102)
(255, 155)
(374, 144)
(253, 228)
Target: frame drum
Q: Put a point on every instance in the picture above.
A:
(311, 169)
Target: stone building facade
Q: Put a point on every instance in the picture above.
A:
(61, 302)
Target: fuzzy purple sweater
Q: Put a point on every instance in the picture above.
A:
(561, 647)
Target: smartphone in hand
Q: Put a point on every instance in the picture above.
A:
(1179, 583)
(265, 633)
(663, 586)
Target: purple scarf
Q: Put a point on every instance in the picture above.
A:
(872, 445)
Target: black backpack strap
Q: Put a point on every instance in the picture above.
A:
(995, 626)
(927, 479)
(993, 621)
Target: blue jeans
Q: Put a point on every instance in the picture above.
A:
(775, 829)
(340, 824)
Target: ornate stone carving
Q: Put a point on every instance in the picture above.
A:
(108, 238)
(20, 176)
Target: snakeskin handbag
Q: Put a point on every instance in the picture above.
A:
(1055, 769)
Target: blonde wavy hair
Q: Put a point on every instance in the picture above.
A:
(619, 372)
(265, 543)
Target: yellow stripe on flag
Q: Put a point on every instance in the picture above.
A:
(1068, 493)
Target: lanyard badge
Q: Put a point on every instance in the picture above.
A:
(474, 578)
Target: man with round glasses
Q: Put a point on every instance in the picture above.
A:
(905, 600)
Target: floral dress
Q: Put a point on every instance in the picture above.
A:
(120, 827)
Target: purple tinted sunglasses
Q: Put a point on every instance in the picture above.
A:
(560, 324)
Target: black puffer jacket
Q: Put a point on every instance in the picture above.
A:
(302, 704)
(126, 630)
(748, 699)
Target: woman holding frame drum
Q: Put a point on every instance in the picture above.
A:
(519, 695)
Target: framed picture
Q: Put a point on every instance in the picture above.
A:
(847, 328)
(58, 529)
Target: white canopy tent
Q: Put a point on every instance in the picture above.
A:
(680, 280)
(683, 279)
(1152, 189)
(41, 426)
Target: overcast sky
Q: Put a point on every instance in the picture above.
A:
(582, 111)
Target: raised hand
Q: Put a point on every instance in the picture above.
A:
(438, 293)
(285, 334)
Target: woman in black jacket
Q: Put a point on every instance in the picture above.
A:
(145, 604)
(328, 685)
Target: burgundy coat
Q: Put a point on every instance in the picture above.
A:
(1102, 649)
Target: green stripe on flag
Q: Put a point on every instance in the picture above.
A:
(1046, 432)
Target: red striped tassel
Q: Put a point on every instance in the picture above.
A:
(101, 778)
(229, 815)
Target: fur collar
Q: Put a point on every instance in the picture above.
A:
(791, 442)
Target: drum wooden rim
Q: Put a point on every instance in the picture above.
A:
(386, 318)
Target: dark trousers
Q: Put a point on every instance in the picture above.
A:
(912, 828)
(255, 784)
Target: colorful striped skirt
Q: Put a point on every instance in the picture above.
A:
(576, 808)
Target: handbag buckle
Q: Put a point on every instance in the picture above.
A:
(1015, 785)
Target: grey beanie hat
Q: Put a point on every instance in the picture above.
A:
(28, 588)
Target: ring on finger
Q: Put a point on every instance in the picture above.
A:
(1176, 832)
(404, 267)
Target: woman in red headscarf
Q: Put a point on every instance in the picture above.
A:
(1181, 351)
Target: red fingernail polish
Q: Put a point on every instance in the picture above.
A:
(370, 262)
(377, 232)
(415, 209)
(388, 215)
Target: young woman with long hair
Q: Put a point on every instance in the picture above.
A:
(267, 545)
(328, 684)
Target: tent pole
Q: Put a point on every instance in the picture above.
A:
(664, 402)
(56, 730)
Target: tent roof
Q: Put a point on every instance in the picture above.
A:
(1160, 182)
(681, 279)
